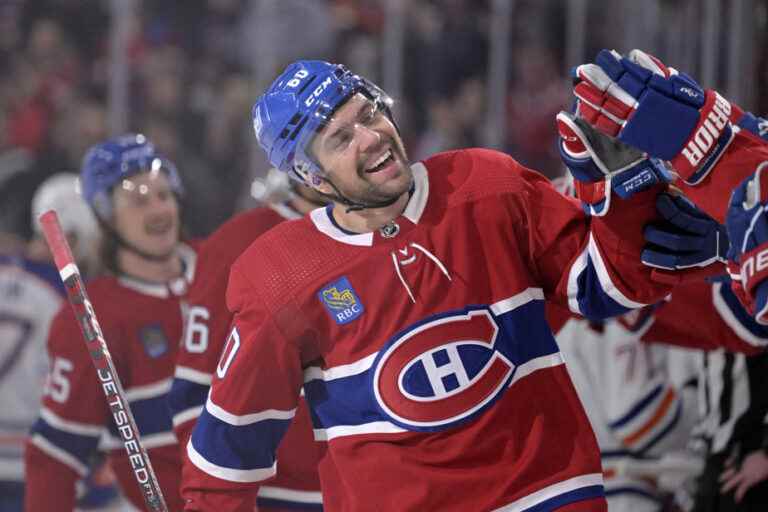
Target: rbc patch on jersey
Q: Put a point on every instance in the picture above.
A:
(154, 341)
(341, 301)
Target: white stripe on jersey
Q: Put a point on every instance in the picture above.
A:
(110, 442)
(514, 302)
(247, 419)
(192, 375)
(153, 390)
(59, 454)
(579, 265)
(341, 371)
(552, 491)
(70, 427)
(282, 493)
(186, 415)
(376, 427)
(605, 279)
(536, 364)
(232, 475)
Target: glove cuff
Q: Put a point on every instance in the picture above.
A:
(708, 140)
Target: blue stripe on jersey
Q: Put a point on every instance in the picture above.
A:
(238, 447)
(742, 316)
(637, 409)
(152, 416)
(666, 430)
(584, 493)
(527, 333)
(523, 335)
(594, 303)
(267, 503)
(185, 394)
(79, 446)
(45, 271)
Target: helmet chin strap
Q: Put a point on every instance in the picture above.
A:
(353, 206)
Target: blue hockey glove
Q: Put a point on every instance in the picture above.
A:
(686, 238)
(747, 224)
(656, 109)
(601, 165)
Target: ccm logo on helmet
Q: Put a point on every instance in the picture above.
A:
(302, 74)
(441, 372)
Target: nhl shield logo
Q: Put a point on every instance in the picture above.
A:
(154, 341)
(341, 301)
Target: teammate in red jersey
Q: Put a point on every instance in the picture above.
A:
(134, 193)
(411, 311)
(296, 485)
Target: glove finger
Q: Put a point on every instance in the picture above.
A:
(610, 62)
(668, 238)
(619, 100)
(653, 256)
(649, 62)
(684, 216)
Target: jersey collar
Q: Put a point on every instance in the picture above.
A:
(175, 287)
(323, 220)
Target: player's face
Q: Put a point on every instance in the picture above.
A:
(146, 213)
(362, 153)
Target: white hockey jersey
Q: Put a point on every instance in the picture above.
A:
(634, 399)
(30, 295)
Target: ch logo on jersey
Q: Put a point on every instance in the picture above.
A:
(441, 372)
(341, 301)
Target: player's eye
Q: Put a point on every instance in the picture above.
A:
(340, 140)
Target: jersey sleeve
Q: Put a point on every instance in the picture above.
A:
(206, 320)
(707, 316)
(741, 159)
(72, 418)
(233, 445)
(590, 264)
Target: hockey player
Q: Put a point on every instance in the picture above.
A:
(30, 295)
(296, 485)
(633, 383)
(134, 193)
(666, 114)
(411, 311)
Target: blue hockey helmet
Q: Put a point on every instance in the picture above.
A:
(298, 103)
(108, 163)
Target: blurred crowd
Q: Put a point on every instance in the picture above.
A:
(196, 66)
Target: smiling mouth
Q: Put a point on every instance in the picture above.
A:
(158, 228)
(384, 160)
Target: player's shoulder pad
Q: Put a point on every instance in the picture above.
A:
(234, 236)
(284, 259)
(473, 173)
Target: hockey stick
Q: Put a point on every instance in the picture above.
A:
(102, 360)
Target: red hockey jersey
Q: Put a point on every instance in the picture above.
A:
(423, 347)
(142, 326)
(296, 485)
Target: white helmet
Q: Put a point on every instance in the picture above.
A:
(61, 192)
(274, 188)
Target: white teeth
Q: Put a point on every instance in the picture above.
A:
(381, 159)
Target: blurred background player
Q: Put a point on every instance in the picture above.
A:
(134, 193)
(296, 485)
(31, 293)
